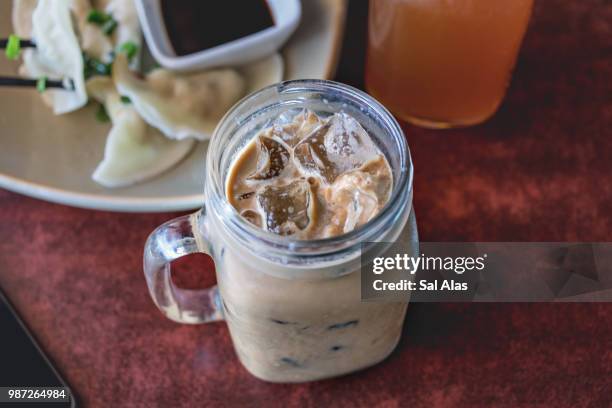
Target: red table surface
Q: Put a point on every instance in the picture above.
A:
(538, 171)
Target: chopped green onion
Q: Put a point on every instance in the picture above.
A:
(102, 115)
(126, 99)
(106, 21)
(13, 47)
(129, 48)
(87, 73)
(93, 66)
(109, 27)
(102, 68)
(41, 84)
(98, 17)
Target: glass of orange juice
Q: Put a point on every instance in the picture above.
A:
(443, 63)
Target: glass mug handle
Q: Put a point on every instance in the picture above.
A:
(169, 241)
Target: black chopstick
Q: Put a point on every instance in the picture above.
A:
(33, 83)
(42, 83)
(22, 43)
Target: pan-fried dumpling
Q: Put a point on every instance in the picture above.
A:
(134, 151)
(180, 105)
(57, 54)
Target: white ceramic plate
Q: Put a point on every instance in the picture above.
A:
(52, 157)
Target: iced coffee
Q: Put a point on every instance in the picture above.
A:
(306, 177)
(299, 176)
(311, 177)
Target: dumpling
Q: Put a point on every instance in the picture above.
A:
(180, 105)
(264, 72)
(57, 54)
(134, 151)
(128, 25)
(93, 40)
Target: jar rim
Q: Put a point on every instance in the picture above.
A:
(316, 249)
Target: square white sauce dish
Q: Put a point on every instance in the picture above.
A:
(189, 34)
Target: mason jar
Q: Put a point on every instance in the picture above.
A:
(293, 307)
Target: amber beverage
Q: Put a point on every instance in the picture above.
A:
(443, 63)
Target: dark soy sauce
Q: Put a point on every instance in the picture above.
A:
(196, 25)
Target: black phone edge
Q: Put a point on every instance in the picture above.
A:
(5, 299)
